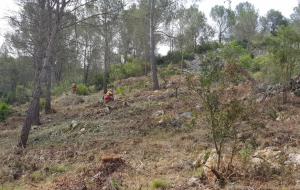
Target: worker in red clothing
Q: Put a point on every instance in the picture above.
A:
(109, 96)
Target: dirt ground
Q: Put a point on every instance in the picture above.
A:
(144, 138)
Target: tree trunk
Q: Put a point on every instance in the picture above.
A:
(48, 107)
(41, 61)
(84, 64)
(106, 54)
(35, 115)
(152, 47)
(32, 111)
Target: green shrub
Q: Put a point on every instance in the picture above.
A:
(121, 91)
(159, 184)
(4, 111)
(62, 88)
(266, 69)
(98, 81)
(42, 103)
(167, 72)
(58, 169)
(174, 58)
(130, 69)
(22, 95)
(37, 176)
(82, 90)
(209, 46)
(246, 61)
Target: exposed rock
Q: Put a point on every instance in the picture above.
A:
(158, 113)
(269, 157)
(107, 109)
(187, 115)
(193, 181)
(293, 159)
(207, 160)
(297, 92)
(74, 123)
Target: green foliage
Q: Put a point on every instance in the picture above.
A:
(22, 94)
(133, 68)
(167, 72)
(61, 88)
(54, 169)
(221, 116)
(159, 184)
(121, 91)
(265, 69)
(5, 111)
(205, 47)
(82, 90)
(98, 81)
(284, 48)
(246, 61)
(115, 184)
(232, 52)
(37, 176)
(174, 58)
(42, 103)
(246, 153)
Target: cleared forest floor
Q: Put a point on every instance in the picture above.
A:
(147, 140)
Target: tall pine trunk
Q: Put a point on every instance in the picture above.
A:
(106, 54)
(152, 47)
(48, 68)
(33, 111)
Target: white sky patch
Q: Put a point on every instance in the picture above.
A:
(7, 8)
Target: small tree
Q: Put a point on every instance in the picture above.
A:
(222, 112)
(285, 49)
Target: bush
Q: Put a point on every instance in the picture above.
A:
(4, 111)
(42, 103)
(175, 58)
(61, 88)
(133, 68)
(159, 184)
(98, 81)
(210, 46)
(266, 69)
(246, 61)
(82, 90)
(22, 95)
(167, 72)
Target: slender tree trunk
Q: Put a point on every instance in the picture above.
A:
(152, 47)
(84, 64)
(32, 111)
(35, 115)
(106, 54)
(48, 107)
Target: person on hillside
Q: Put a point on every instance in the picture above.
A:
(108, 97)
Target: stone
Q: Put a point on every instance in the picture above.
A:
(187, 115)
(82, 130)
(74, 123)
(293, 159)
(297, 92)
(207, 160)
(269, 156)
(193, 181)
(107, 110)
(158, 113)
